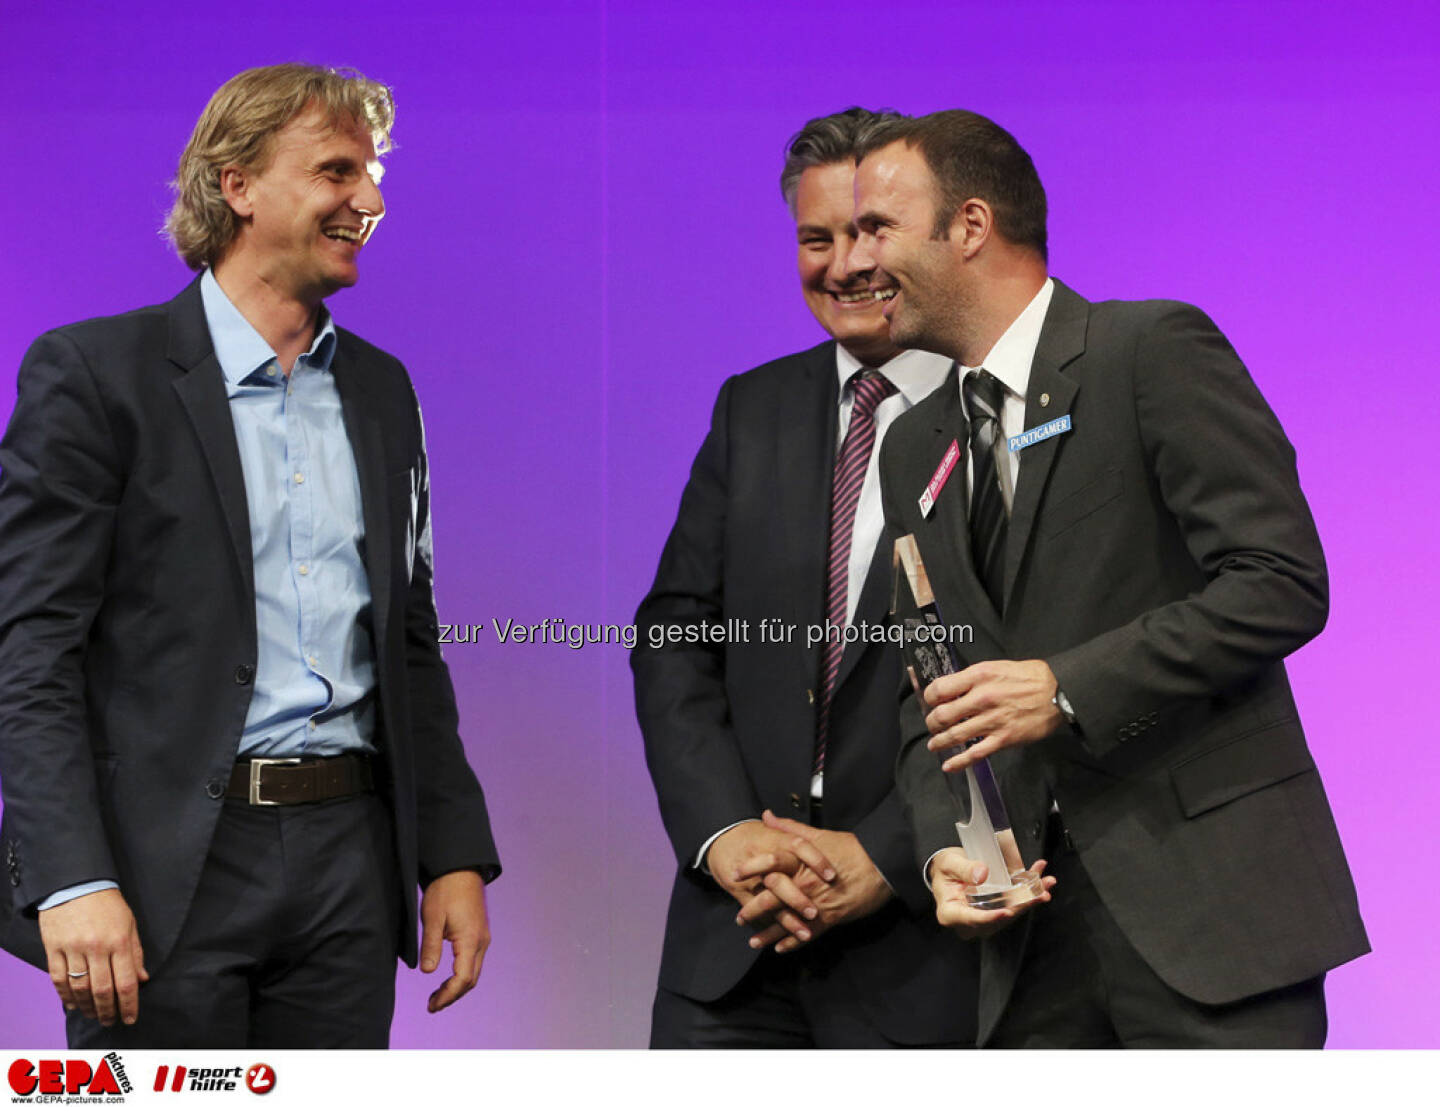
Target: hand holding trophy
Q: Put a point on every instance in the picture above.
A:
(981, 821)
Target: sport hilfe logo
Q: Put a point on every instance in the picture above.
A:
(71, 1077)
(259, 1078)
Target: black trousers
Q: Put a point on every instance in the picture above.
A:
(1083, 985)
(802, 1000)
(780, 1004)
(291, 941)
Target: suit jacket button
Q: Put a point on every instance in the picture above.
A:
(14, 880)
(795, 800)
(215, 788)
(244, 674)
(1122, 735)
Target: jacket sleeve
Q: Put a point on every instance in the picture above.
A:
(60, 483)
(680, 690)
(1226, 473)
(889, 842)
(453, 822)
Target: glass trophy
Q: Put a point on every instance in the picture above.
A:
(984, 828)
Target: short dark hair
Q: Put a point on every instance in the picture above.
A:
(828, 140)
(974, 157)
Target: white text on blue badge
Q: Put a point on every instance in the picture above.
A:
(1038, 434)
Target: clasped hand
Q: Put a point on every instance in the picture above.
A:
(794, 881)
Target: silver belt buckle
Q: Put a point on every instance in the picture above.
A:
(256, 764)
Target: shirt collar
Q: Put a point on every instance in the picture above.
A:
(914, 373)
(1010, 358)
(239, 348)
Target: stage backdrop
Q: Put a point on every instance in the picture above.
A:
(585, 238)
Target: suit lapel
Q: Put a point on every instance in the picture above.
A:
(802, 481)
(946, 530)
(202, 393)
(1062, 340)
(367, 444)
(871, 607)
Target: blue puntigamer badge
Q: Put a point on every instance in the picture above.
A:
(1038, 434)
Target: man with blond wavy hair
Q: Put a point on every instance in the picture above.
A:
(228, 741)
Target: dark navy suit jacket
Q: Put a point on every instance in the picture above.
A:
(730, 729)
(127, 621)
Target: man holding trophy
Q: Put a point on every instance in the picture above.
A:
(1101, 492)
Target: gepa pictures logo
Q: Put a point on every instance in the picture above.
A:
(52, 1077)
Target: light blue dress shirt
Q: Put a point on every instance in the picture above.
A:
(314, 688)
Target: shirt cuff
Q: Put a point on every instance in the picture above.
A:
(75, 891)
(710, 841)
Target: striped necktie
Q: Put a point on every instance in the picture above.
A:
(869, 388)
(989, 514)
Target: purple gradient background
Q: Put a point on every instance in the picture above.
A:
(585, 238)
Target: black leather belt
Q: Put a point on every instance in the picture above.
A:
(276, 781)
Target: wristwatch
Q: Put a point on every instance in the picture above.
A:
(1062, 704)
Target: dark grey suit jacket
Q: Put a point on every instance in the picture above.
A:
(127, 620)
(730, 730)
(1162, 559)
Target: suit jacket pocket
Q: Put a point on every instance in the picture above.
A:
(1243, 765)
(1085, 500)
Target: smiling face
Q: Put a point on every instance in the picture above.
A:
(308, 212)
(841, 300)
(895, 205)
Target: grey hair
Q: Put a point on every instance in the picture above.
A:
(828, 140)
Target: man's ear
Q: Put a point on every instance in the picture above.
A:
(974, 224)
(235, 186)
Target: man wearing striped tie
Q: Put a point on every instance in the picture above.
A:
(798, 917)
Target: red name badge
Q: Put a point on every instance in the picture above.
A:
(937, 482)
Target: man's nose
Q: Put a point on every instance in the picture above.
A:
(841, 270)
(860, 258)
(367, 199)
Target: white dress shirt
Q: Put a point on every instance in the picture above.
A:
(1009, 362)
(915, 374)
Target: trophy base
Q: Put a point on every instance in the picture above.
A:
(1024, 887)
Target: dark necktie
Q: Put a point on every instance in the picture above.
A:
(869, 389)
(984, 400)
